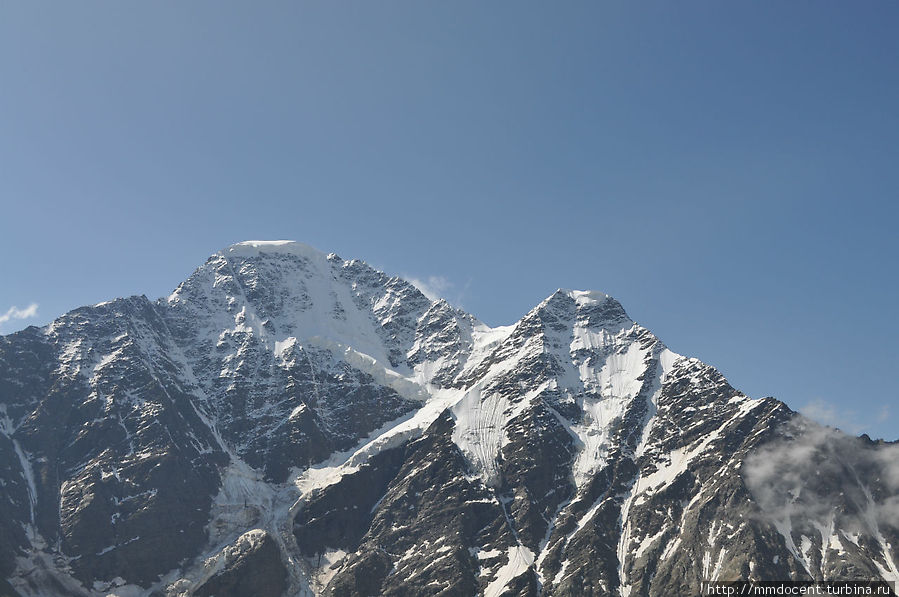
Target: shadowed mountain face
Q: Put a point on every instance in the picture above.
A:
(290, 423)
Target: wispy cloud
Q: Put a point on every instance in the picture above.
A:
(16, 313)
(830, 414)
(441, 287)
(434, 287)
(847, 419)
(814, 471)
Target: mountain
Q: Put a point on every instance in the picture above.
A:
(292, 423)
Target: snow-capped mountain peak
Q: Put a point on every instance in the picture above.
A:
(288, 422)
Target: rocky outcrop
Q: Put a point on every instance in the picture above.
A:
(250, 568)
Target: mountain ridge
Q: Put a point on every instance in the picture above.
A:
(290, 422)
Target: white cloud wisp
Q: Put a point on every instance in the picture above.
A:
(16, 313)
(434, 287)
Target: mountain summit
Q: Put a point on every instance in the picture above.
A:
(288, 422)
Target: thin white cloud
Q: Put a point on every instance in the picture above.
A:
(434, 287)
(16, 313)
(846, 419)
(785, 477)
(830, 414)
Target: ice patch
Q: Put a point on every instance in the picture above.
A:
(328, 567)
(520, 558)
(587, 297)
(252, 248)
(479, 431)
(611, 390)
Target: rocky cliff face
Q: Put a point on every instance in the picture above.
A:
(291, 423)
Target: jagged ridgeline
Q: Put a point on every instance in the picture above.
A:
(291, 423)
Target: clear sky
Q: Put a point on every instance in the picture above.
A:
(728, 170)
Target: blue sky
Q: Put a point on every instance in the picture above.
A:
(728, 171)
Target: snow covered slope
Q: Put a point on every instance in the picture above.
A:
(288, 422)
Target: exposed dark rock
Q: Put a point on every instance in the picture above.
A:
(252, 568)
(338, 515)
